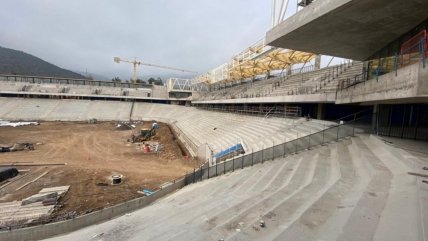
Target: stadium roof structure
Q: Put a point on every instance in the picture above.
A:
(277, 59)
(256, 60)
(353, 29)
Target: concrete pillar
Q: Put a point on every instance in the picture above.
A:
(374, 118)
(321, 111)
(288, 70)
(317, 62)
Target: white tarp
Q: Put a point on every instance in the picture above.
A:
(15, 124)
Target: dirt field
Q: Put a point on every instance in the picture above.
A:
(92, 153)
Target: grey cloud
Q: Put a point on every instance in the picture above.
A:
(83, 34)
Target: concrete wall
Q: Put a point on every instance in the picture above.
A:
(311, 98)
(409, 82)
(423, 79)
(57, 228)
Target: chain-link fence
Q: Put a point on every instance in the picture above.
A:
(329, 135)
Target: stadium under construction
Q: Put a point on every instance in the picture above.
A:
(282, 142)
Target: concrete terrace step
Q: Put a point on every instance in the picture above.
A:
(283, 212)
(318, 217)
(364, 219)
(356, 189)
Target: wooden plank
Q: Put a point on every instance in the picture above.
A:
(37, 178)
(29, 164)
(58, 189)
(13, 180)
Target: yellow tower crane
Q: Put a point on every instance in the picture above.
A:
(135, 63)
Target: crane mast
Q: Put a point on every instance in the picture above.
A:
(136, 63)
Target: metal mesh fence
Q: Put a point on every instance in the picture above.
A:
(331, 134)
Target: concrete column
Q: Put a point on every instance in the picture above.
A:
(288, 70)
(317, 62)
(320, 111)
(374, 117)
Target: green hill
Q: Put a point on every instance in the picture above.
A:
(20, 63)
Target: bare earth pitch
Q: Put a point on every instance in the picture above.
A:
(92, 153)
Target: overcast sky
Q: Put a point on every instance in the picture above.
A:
(87, 34)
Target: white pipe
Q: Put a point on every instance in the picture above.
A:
(273, 12)
(285, 11)
(280, 12)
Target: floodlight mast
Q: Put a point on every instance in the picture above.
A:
(135, 63)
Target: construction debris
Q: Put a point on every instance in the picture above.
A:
(146, 192)
(40, 197)
(124, 126)
(49, 201)
(8, 172)
(15, 124)
(60, 190)
(151, 147)
(32, 208)
(32, 164)
(92, 121)
(13, 180)
(144, 134)
(37, 178)
(17, 147)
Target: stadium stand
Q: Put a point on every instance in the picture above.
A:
(350, 190)
(218, 130)
(354, 186)
(8, 86)
(324, 80)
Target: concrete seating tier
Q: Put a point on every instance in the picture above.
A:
(318, 81)
(356, 189)
(157, 92)
(218, 130)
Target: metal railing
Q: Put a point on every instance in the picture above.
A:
(329, 135)
(68, 81)
(274, 85)
(413, 51)
(266, 111)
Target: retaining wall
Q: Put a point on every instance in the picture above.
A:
(62, 227)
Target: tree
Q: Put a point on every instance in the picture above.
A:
(158, 81)
(154, 81)
(116, 79)
(140, 81)
(151, 81)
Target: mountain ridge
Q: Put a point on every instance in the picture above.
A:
(16, 62)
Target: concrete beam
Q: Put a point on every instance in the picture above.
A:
(354, 29)
(408, 85)
(310, 98)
